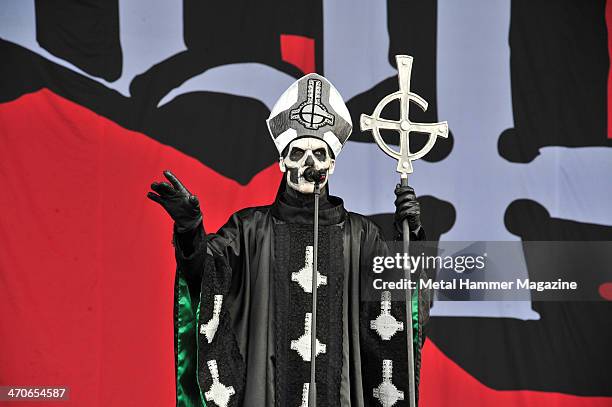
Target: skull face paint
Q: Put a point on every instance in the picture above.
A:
(303, 153)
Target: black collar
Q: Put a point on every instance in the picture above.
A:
(293, 207)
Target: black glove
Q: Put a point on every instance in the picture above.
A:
(407, 207)
(182, 206)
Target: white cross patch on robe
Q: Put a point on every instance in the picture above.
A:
(302, 344)
(304, 276)
(385, 324)
(386, 392)
(210, 328)
(305, 390)
(218, 393)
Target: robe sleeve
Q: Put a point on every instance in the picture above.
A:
(380, 349)
(203, 276)
(421, 299)
(186, 296)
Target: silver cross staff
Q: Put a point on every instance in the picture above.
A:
(404, 166)
(404, 126)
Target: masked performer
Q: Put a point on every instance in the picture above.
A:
(243, 295)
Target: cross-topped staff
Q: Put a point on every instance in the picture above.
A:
(404, 166)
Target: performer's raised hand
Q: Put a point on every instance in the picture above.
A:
(407, 207)
(180, 204)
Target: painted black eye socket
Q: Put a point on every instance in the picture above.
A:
(296, 154)
(320, 154)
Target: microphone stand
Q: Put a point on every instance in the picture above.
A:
(312, 396)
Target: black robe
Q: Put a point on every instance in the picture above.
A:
(240, 310)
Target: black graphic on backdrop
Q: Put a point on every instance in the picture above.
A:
(221, 33)
(437, 217)
(559, 71)
(83, 33)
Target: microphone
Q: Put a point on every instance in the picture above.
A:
(312, 175)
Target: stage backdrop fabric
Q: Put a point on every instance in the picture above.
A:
(98, 97)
